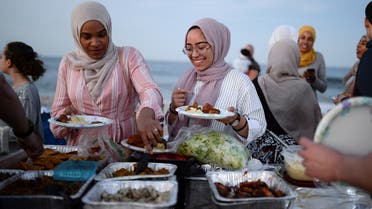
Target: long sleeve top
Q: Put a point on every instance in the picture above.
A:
(114, 101)
(318, 65)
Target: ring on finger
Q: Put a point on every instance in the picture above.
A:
(155, 129)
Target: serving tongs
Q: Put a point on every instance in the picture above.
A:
(142, 163)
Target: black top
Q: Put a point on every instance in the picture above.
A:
(272, 124)
(363, 80)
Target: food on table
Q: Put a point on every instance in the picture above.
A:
(39, 186)
(147, 171)
(146, 194)
(293, 163)
(215, 148)
(206, 108)
(136, 140)
(50, 158)
(248, 189)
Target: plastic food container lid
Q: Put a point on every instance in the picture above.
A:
(75, 170)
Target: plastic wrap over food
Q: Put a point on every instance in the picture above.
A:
(108, 171)
(233, 178)
(93, 198)
(213, 147)
(31, 175)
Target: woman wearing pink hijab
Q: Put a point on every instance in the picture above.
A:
(211, 80)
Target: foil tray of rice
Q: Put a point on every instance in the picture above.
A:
(125, 171)
(228, 191)
(133, 194)
(38, 189)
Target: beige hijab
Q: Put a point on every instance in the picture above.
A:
(96, 72)
(290, 98)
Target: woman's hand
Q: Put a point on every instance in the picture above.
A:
(179, 97)
(149, 128)
(70, 110)
(309, 76)
(32, 144)
(229, 119)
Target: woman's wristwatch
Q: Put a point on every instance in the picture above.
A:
(25, 133)
(236, 121)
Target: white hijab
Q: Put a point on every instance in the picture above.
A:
(282, 32)
(96, 72)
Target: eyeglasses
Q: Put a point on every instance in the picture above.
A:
(200, 48)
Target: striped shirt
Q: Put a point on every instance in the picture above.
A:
(113, 102)
(238, 91)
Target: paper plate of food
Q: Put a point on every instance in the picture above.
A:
(347, 127)
(80, 121)
(207, 111)
(135, 143)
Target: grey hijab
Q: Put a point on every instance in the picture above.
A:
(289, 97)
(96, 72)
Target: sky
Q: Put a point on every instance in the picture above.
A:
(158, 27)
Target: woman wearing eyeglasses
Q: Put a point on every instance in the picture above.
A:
(211, 80)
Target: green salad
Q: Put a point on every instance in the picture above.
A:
(217, 149)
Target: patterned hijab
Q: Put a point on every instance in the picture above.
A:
(218, 36)
(284, 91)
(96, 72)
(307, 57)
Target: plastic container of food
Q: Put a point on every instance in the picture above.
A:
(293, 163)
(75, 170)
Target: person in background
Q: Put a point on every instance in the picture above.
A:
(242, 62)
(12, 112)
(22, 64)
(287, 114)
(349, 78)
(211, 80)
(326, 163)
(282, 32)
(312, 66)
(330, 165)
(363, 84)
(99, 78)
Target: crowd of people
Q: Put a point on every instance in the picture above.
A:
(100, 78)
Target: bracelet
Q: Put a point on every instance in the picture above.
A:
(172, 110)
(27, 133)
(245, 124)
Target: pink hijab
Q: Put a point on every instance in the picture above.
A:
(218, 36)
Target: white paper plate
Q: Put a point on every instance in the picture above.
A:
(348, 127)
(224, 113)
(142, 149)
(89, 118)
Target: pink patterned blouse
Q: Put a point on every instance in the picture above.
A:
(114, 101)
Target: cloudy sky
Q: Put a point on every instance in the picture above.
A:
(157, 27)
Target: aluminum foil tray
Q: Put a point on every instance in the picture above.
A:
(63, 148)
(107, 172)
(232, 178)
(68, 148)
(14, 175)
(93, 198)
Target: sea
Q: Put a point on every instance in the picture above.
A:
(167, 73)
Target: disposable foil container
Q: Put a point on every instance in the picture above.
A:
(55, 201)
(14, 173)
(108, 171)
(92, 199)
(233, 178)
